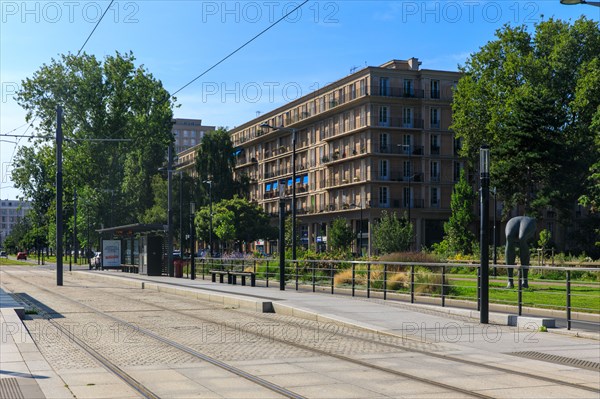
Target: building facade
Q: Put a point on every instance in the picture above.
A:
(376, 140)
(188, 133)
(11, 213)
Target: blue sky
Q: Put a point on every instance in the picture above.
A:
(177, 40)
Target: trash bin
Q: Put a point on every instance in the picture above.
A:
(178, 263)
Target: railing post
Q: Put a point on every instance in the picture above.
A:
(412, 283)
(267, 274)
(568, 299)
(369, 280)
(254, 267)
(332, 275)
(520, 291)
(353, 277)
(314, 276)
(297, 263)
(203, 268)
(385, 281)
(443, 286)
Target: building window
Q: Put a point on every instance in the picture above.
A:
(407, 144)
(458, 167)
(407, 170)
(383, 169)
(435, 118)
(435, 88)
(384, 87)
(383, 142)
(435, 144)
(435, 197)
(407, 117)
(407, 199)
(435, 171)
(408, 88)
(384, 200)
(352, 91)
(383, 116)
(458, 144)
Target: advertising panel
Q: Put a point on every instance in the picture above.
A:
(111, 253)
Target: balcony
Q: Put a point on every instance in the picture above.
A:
(414, 123)
(435, 125)
(396, 92)
(435, 178)
(434, 150)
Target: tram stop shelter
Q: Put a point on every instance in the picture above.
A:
(135, 248)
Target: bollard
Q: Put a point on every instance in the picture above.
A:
(568, 299)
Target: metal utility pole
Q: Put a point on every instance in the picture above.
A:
(294, 194)
(484, 159)
(192, 241)
(210, 229)
(170, 213)
(181, 215)
(59, 197)
(281, 242)
(75, 243)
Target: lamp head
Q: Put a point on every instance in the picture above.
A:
(484, 160)
(266, 125)
(572, 2)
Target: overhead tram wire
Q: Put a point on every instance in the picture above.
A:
(236, 50)
(96, 26)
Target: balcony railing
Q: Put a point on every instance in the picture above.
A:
(398, 92)
(413, 123)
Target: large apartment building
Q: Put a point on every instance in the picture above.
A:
(11, 213)
(188, 133)
(375, 140)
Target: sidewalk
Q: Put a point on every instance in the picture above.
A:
(24, 372)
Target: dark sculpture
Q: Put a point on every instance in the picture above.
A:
(519, 230)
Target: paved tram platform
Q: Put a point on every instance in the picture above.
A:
(508, 339)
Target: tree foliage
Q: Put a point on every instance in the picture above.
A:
(533, 97)
(391, 234)
(101, 99)
(458, 238)
(340, 235)
(234, 219)
(215, 161)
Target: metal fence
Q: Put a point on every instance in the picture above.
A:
(572, 293)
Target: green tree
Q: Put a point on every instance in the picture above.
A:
(235, 219)
(340, 235)
(101, 99)
(458, 237)
(391, 234)
(532, 98)
(215, 161)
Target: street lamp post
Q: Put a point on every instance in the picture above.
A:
(210, 247)
(293, 131)
(484, 170)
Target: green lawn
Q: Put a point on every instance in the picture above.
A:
(12, 262)
(584, 298)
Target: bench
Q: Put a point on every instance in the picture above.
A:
(243, 275)
(221, 273)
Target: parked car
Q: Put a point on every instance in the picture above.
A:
(3, 254)
(22, 255)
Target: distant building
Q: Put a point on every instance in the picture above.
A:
(377, 139)
(11, 212)
(188, 133)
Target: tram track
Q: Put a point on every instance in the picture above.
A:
(407, 348)
(312, 349)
